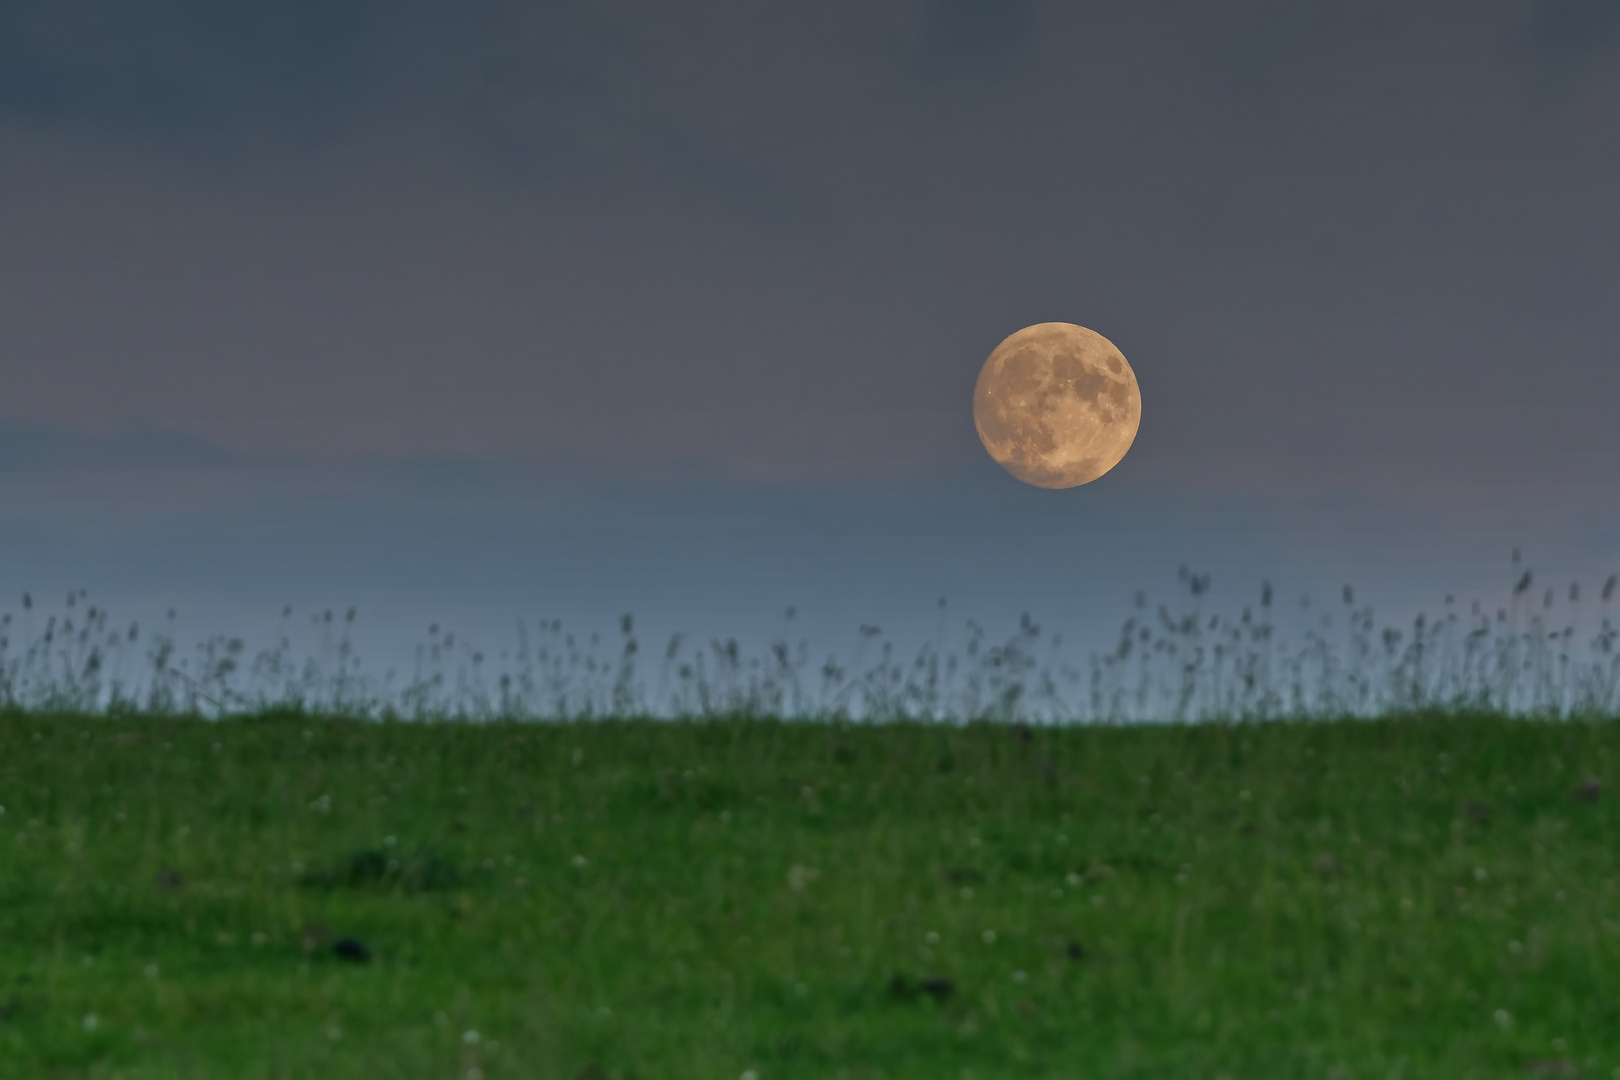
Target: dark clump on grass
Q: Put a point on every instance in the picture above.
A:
(351, 949)
(1327, 867)
(903, 988)
(385, 869)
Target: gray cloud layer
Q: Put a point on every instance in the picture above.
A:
(1350, 240)
(1566, 30)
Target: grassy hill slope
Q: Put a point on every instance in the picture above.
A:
(1418, 896)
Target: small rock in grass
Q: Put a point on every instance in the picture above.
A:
(1589, 789)
(1479, 813)
(170, 880)
(314, 935)
(937, 987)
(352, 949)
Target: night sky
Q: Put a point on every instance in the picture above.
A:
(474, 312)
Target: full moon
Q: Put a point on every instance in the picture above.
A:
(1057, 405)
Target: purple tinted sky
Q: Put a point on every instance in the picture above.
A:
(493, 308)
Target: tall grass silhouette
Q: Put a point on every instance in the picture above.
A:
(1178, 661)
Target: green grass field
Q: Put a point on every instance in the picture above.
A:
(1415, 897)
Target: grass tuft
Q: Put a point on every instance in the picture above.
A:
(1181, 660)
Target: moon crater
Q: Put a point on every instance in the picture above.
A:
(1057, 405)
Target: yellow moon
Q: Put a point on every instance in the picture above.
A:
(1057, 405)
